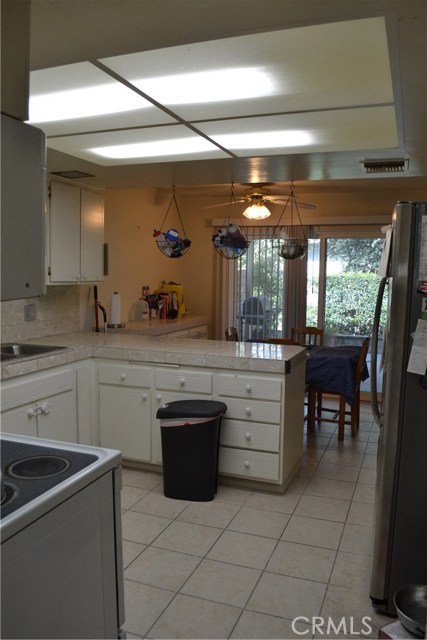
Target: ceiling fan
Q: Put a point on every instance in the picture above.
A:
(258, 196)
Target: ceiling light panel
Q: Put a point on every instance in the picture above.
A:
(307, 68)
(79, 97)
(155, 144)
(338, 130)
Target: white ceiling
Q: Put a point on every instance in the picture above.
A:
(349, 75)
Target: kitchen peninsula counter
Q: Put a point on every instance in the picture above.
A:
(104, 389)
(137, 348)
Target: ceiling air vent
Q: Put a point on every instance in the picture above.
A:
(393, 165)
(72, 175)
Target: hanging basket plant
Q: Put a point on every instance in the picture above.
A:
(229, 241)
(170, 242)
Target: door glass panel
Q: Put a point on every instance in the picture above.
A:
(351, 285)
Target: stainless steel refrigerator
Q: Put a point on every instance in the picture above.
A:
(400, 545)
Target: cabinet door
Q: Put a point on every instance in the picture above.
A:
(19, 421)
(124, 421)
(58, 419)
(92, 236)
(64, 233)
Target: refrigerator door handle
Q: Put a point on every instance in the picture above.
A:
(374, 351)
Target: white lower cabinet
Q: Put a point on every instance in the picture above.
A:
(125, 410)
(261, 434)
(251, 432)
(41, 405)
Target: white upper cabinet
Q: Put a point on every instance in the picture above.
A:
(76, 234)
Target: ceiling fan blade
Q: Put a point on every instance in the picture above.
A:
(224, 204)
(300, 205)
(304, 205)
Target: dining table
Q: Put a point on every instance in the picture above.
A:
(333, 369)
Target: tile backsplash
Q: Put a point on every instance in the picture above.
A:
(56, 312)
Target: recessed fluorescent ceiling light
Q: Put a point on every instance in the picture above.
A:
(219, 85)
(85, 102)
(153, 149)
(263, 139)
(184, 88)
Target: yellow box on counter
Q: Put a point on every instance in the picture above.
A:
(175, 301)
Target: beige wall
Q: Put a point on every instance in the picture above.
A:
(134, 259)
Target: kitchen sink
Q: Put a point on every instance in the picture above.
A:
(14, 350)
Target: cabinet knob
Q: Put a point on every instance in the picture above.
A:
(82, 277)
(246, 464)
(181, 382)
(248, 435)
(144, 396)
(159, 397)
(31, 413)
(248, 388)
(248, 411)
(77, 278)
(122, 376)
(45, 408)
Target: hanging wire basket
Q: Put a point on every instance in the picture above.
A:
(169, 242)
(290, 248)
(229, 241)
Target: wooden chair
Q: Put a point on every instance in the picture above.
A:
(340, 416)
(231, 334)
(307, 336)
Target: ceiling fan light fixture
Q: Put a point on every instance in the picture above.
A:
(257, 211)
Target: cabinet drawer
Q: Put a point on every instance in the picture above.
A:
(249, 435)
(126, 376)
(249, 464)
(253, 410)
(193, 381)
(249, 387)
(39, 386)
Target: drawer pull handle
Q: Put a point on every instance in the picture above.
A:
(246, 464)
(181, 382)
(248, 436)
(122, 376)
(144, 396)
(248, 411)
(248, 388)
(45, 408)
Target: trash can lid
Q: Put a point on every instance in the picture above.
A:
(192, 409)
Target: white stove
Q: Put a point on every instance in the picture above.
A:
(62, 570)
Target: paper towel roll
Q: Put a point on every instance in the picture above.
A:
(115, 313)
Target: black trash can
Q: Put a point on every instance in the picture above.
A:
(190, 431)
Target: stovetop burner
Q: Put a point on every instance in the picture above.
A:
(38, 467)
(29, 470)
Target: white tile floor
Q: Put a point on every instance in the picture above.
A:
(248, 563)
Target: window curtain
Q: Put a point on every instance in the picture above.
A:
(263, 274)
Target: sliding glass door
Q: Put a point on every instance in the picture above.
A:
(342, 286)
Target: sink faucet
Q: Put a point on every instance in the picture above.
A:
(104, 315)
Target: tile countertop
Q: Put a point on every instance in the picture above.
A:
(141, 349)
(157, 327)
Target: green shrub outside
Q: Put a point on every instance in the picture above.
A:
(350, 304)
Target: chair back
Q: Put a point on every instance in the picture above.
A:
(231, 334)
(307, 336)
(361, 361)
